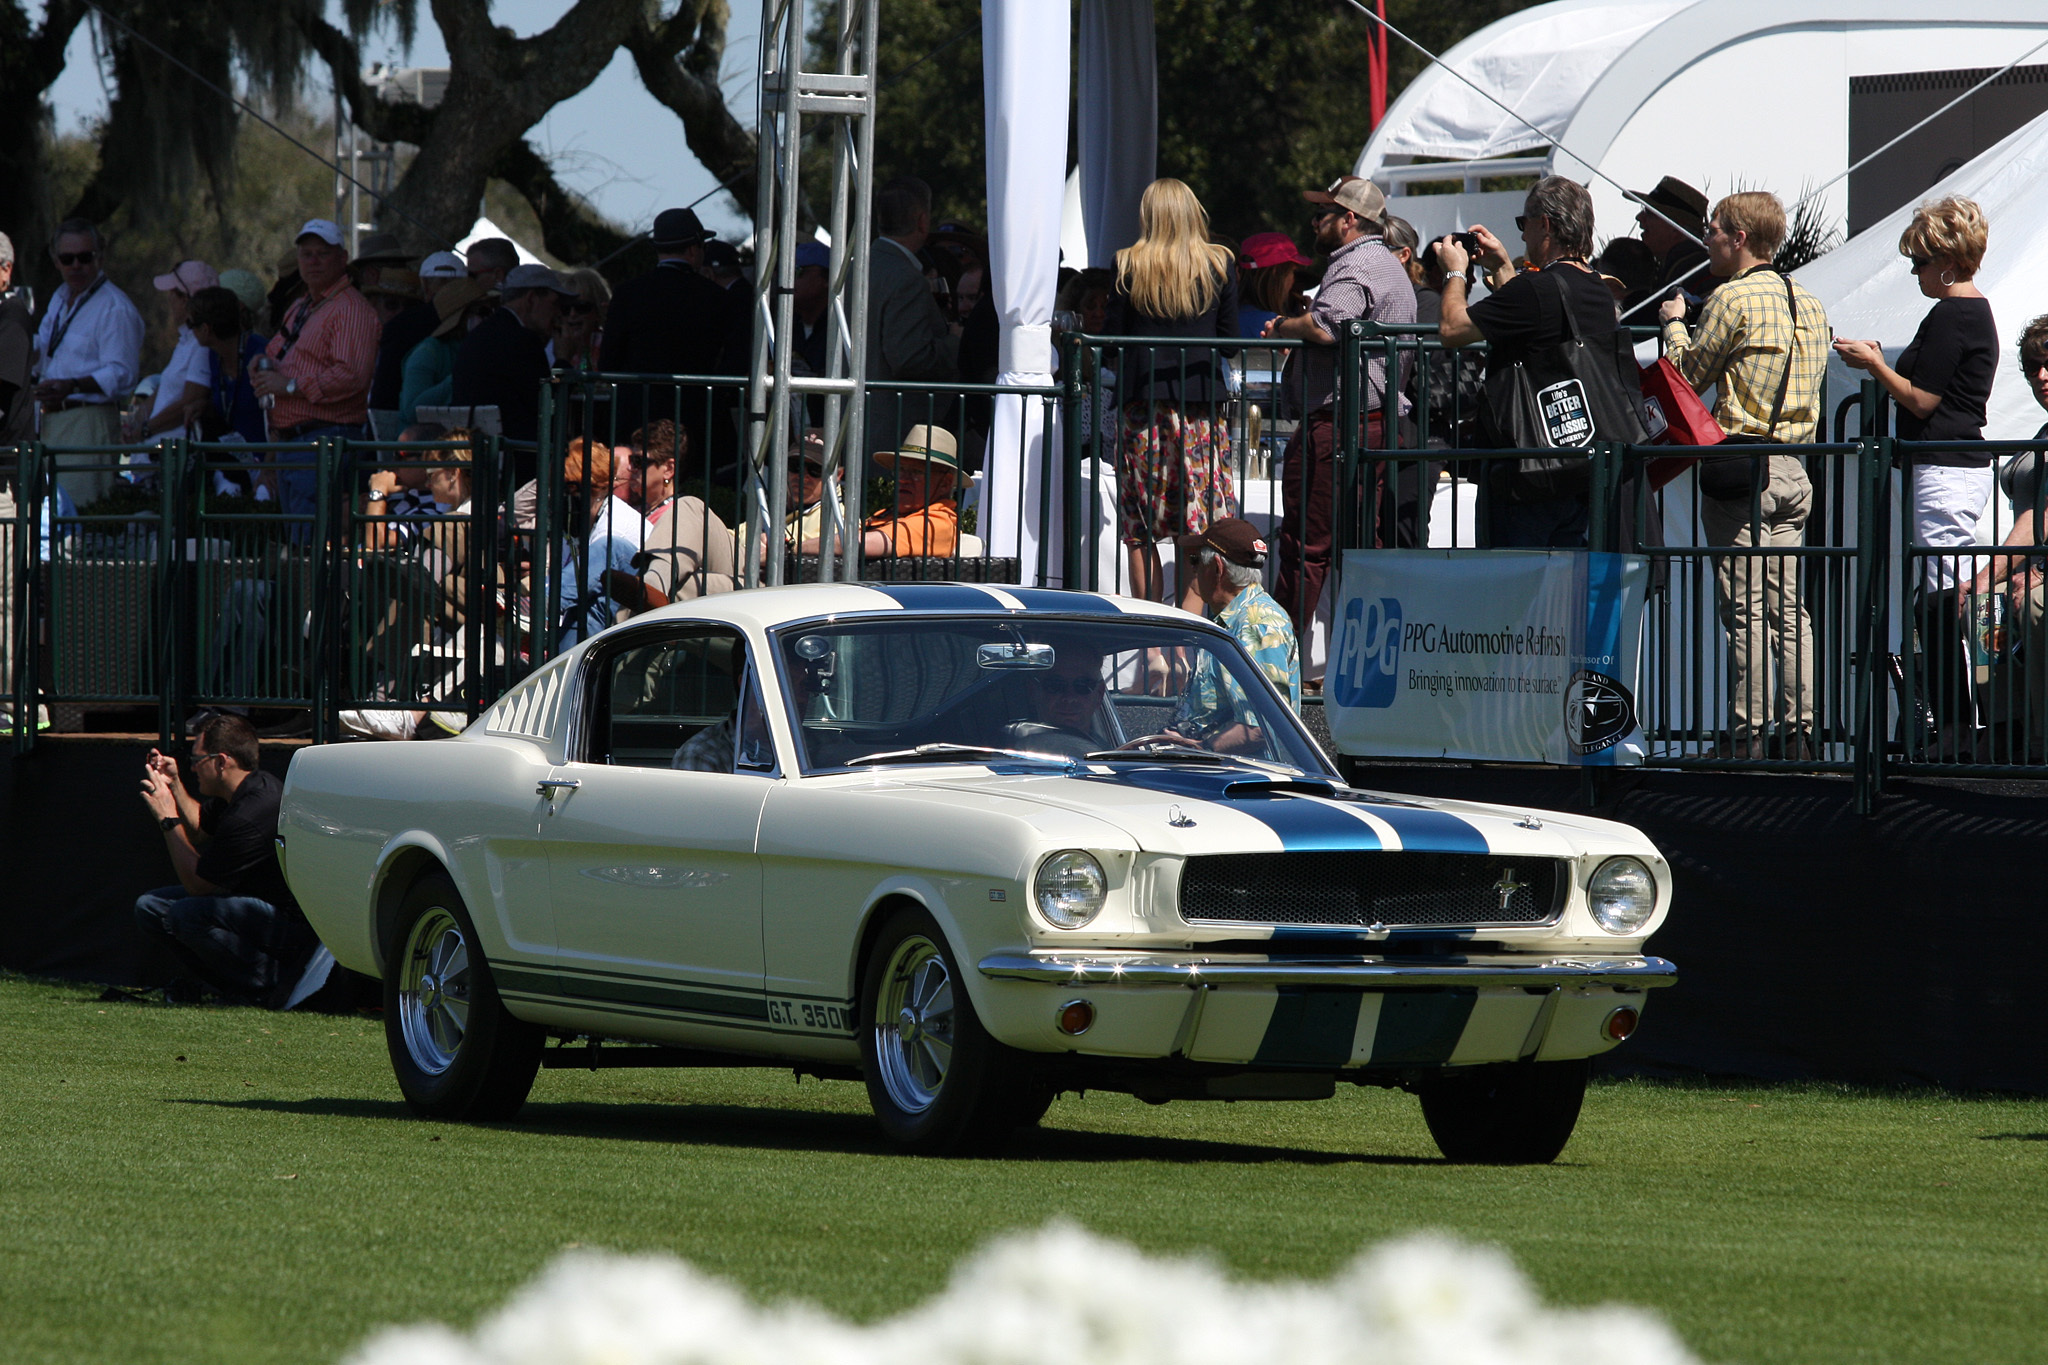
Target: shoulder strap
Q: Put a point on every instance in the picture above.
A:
(1791, 345)
(1553, 273)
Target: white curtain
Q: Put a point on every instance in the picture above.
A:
(1119, 111)
(1025, 79)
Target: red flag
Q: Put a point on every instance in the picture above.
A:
(1376, 63)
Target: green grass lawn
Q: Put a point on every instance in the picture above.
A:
(199, 1184)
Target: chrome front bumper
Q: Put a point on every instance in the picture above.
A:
(1104, 968)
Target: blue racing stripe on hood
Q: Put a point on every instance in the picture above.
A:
(938, 596)
(1051, 599)
(1426, 831)
(1303, 823)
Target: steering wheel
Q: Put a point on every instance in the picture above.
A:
(1039, 737)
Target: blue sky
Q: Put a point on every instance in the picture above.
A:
(613, 143)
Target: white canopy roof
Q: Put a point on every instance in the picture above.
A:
(1539, 63)
(483, 228)
(1869, 294)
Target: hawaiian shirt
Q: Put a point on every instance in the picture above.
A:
(1213, 700)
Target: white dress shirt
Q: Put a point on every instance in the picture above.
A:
(102, 342)
(188, 365)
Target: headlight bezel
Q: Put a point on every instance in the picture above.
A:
(1069, 914)
(1599, 896)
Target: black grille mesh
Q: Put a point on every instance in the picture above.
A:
(1363, 888)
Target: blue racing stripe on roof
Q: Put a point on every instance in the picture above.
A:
(938, 596)
(1051, 599)
(1303, 823)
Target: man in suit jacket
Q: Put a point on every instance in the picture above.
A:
(504, 359)
(909, 334)
(671, 320)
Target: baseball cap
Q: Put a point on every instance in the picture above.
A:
(813, 253)
(443, 265)
(247, 286)
(326, 229)
(1362, 197)
(1263, 249)
(536, 277)
(722, 255)
(189, 277)
(1236, 539)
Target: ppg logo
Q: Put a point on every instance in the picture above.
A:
(1368, 653)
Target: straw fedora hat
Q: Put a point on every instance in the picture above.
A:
(932, 445)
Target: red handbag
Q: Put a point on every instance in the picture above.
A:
(1676, 417)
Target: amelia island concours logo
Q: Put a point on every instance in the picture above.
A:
(1598, 712)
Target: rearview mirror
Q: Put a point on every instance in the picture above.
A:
(1014, 654)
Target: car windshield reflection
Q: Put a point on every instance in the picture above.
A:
(866, 694)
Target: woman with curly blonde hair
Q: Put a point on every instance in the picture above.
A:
(1173, 474)
(1942, 387)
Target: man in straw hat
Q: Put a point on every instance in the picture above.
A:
(925, 520)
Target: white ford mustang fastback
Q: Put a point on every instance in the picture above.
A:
(978, 846)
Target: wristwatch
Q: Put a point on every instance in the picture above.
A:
(169, 823)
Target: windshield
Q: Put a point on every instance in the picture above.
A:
(870, 693)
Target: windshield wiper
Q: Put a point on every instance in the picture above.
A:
(951, 753)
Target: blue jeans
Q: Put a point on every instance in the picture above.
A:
(242, 947)
(298, 490)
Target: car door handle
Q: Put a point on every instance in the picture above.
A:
(550, 785)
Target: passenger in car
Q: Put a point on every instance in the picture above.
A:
(1229, 558)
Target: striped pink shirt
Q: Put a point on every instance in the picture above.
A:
(333, 357)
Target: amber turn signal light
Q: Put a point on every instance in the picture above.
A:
(1075, 1017)
(1622, 1023)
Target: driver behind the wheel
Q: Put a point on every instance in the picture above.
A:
(1065, 710)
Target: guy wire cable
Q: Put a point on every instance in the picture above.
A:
(1804, 200)
(255, 114)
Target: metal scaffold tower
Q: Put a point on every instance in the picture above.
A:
(840, 102)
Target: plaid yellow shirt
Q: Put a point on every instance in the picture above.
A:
(1741, 348)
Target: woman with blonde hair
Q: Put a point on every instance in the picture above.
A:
(1942, 387)
(1173, 474)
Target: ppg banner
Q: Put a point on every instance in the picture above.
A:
(1526, 656)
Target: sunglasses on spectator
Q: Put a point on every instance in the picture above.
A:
(77, 257)
(1077, 687)
(1920, 263)
(576, 308)
(198, 759)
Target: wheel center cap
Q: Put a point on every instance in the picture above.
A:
(430, 993)
(907, 1025)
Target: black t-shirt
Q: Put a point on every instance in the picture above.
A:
(1525, 313)
(240, 855)
(17, 357)
(394, 344)
(1954, 354)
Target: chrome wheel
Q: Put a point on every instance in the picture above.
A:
(434, 991)
(913, 1024)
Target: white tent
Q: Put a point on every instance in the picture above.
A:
(1870, 296)
(486, 228)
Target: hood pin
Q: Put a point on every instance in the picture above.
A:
(1178, 818)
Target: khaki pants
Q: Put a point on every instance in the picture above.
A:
(89, 424)
(1770, 636)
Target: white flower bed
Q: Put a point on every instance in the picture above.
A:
(1059, 1296)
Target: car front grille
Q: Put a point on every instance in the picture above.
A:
(1395, 890)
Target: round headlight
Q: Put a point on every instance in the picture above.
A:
(1070, 888)
(1622, 894)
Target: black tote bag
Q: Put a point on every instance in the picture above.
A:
(1569, 393)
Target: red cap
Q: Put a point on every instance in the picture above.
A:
(1263, 249)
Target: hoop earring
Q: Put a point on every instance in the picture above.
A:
(1947, 278)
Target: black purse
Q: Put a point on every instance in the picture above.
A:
(1568, 393)
(1729, 477)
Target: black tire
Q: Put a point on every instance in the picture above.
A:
(456, 1052)
(1510, 1114)
(939, 1084)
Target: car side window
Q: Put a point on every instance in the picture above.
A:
(671, 701)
